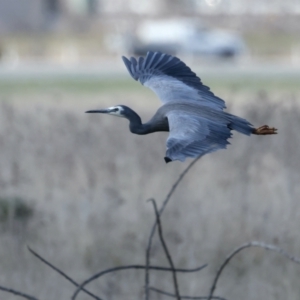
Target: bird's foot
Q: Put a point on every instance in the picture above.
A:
(167, 159)
(264, 130)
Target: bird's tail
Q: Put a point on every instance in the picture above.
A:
(241, 125)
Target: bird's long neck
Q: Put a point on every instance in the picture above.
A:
(135, 124)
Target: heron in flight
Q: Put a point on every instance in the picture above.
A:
(191, 113)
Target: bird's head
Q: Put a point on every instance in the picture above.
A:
(118, 111)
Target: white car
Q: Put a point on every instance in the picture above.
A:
(184, 36)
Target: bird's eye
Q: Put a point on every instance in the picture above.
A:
(115, 109)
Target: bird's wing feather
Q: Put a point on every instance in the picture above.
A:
(171, 79)
(194, 136)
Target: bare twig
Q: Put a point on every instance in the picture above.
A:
(14, 292)
(148, 250)
(242, 247)
(157, 268)
(61, 273)
(160, 233)
(183, 297)
(172, 190)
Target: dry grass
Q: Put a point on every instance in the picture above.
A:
(88, 180)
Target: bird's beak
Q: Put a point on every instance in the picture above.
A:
(101, 111)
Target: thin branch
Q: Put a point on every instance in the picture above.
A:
(14, 292)
(172, 190)
(61, 273)
(148, 250)
(242, 247)
(157, 268)
(183, 297)
(160, 233)
(147, 267)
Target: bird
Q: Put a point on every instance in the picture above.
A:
(190, 112)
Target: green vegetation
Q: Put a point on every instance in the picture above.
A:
(255, 83)
(97, 85)
(81, 85)
(266, 44)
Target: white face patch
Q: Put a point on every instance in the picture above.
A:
(116, 111)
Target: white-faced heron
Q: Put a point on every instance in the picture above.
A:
(193, 115)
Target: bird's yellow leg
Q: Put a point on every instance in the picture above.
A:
(264, 130)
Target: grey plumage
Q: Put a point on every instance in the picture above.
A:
(190, 111)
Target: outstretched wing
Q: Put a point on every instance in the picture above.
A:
(193, 136)
(171, 79)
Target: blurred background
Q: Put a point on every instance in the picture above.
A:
(74, 186)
